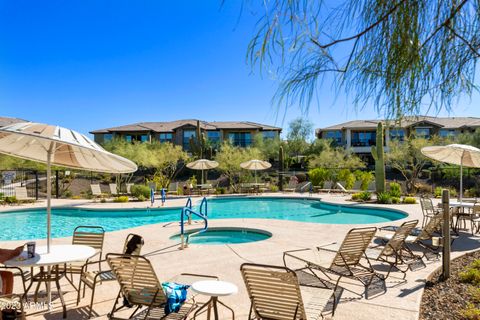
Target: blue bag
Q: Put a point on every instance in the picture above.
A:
(176, 295)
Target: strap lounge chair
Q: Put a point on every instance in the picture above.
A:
(113, 189)
(344, 262)
(129, 186)
(140, 288)
(133, 246)
(291, 187)
(428, 209)
(22, 195)
(395, 252)
(96, 191)
(173, 188)
(275, 294)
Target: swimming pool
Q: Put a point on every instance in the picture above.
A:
(31, 224)
(216, 236)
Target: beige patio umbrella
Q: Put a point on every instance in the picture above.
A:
(255, 165)
(202, 164)
(458, 154)
(59, 146)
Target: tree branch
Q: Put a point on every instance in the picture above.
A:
(468, 43)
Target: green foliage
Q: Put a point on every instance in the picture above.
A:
(474, 293)
(379, 157)
(273, 188)
(10, 163)
(229, 158)
(103, 200)
(409, 200)
(395, 190)
(471, 274)
(365, 177)
(267, 146)
(319, 175)
(139, 190)
(220, 190)
(471, 312)
(299, 132)
(335, 158)
(121, 199)
(11, 200)
(395, 200)
(347, 176)
(438, 192)
(363, 196)
(384, 197)
(142, 198)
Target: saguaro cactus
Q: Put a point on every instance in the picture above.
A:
(379, 156)
(197, 145)
(281, 168)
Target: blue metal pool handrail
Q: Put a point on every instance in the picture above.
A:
(204, 202)
(189, 203)
(188, 212)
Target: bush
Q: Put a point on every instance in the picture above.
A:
(471, 274)
(140, 190)
(76, 197)
(103, 200)
(423, 187)
(141, 198)
(347, 176)
(319, 175)
(395, 200)
(384, 197)
(11, 200)
(356, 196)
(365, 195)
(121, 199)
(438, 192)
(67, 194)
(220, 190)
(471, 312)
(273, 188)
(365, 177)
(409, 200)
(395, 190)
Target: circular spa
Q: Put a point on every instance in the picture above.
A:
(32, 223)
(216, 236)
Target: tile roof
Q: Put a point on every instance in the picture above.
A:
(172, 125)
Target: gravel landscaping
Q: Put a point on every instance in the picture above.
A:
(448, 299)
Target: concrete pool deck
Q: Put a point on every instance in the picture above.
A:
(401, 301)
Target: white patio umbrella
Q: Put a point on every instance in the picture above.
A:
(202, 164)
(255, 165)
(59, 146)
(458, 154)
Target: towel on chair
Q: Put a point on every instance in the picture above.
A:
(176, 295)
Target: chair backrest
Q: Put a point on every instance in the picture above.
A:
(173, 186)
(353, 246)
(137, 279)
(372, 186)
(92, 236)
(292, 184)
(113, 188)
(129, 186)
(274, 292)
(357, 185)
(396, 243)
(340, 185)
(328, 185)
(427, 206)
(476, 209)
(96, 191)
(434, 224)
(21, 193)
(133, 244)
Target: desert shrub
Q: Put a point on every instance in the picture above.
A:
(409, 200)
(438, 192)
(453, 192)
(395, 200)
(384, 197)
(474, 293)
(365, 177)
(220, 190)
(76, 197)
(121, 199)
(67, 194)
(347, 176)
(11, 200)
(356, 196)
(141, 198)
(103, 200)
(471, 312)
(140, 190)
(395, 190)
(363, 196)
(471, 274)
(319, 175)
(273, 188)
(423, 187)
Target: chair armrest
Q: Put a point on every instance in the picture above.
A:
(88, 263)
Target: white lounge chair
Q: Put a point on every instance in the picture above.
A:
(96, 191)
(22, 195)
(113, 189)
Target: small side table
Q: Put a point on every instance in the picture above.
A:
(214, 289)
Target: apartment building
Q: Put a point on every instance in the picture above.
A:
(239, 133)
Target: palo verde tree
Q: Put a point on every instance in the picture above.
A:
(396, 54)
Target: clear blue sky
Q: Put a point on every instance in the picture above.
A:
(93, 64)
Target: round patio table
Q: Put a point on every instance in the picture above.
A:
(58, 255)
(214, 289)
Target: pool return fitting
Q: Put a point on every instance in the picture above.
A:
(187, 211)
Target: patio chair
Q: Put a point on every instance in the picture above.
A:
(22, 195)
(395, 252)
(140, 287)
(96, 191)
(344, 262)
(291, 187)
(340, 186)
(173, 188)
(428, 209)
(275, 294)
(357, 186)
(129, 187)
(133, 246)
(113, 189)
(372, 187)
(327, 186)
(13, 302)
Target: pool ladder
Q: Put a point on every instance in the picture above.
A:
(187, 211)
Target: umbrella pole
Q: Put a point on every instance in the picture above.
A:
(49, 197)
(255, 176)
(461, 180)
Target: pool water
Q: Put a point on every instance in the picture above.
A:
(31, 224)
(216, 236)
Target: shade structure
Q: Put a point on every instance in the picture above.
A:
(202, 164)
(59, 146)
(457, 154)
(255, 165)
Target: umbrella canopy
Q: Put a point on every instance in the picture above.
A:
(59, 146)
(458, 154)
(202, 164)
(255, 165)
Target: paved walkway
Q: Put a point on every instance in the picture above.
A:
(401, 301)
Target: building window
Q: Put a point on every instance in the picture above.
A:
(336, 136)
(136, 137)
(447, 133)
(364, 138)
(397, 134)
(240, 139)
(166, 137)
(423, 132)
(269, 134)
(187, 134)
(107, 137)
(213, 136)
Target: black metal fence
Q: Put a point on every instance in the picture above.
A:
(11, 179)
